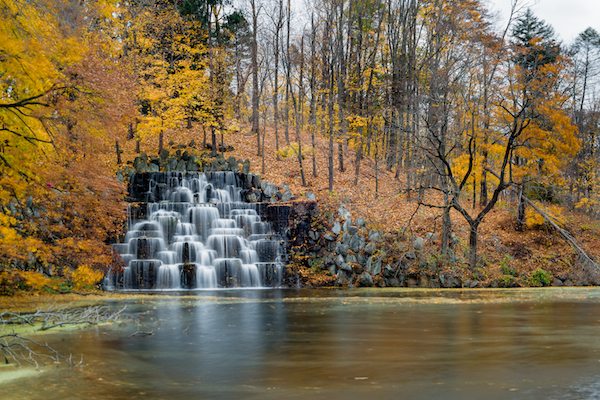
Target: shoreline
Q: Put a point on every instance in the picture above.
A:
(24, 303)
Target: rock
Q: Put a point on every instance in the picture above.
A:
(374, 265)
(362, 259)
(370, 248)
(346, 238)
(140, 164)
(314, 235)
(329, 237)
(287, 194)
(410, 255)
(352, 229)
(245, 166)
(181, 166)
(346, 267)
(342, 279)
(351, 259)
(256, 181)
(343, 212)
(374, 236)
(339, 260)
(388, 271)
(377, 267)
(346, 225)
(424, 281)
(332, 269)
(269, 189)
(341, 248)
(412, 283)
(473, 284)
(251, 197)
(365, 280)
(164, 154)
(557, 282)
(337, 228)
(429, 236)
(449, 281)
(360, 222)
(356, 243)
(153, 168)
(418, 243)
(311, 196)
(192, 165)
(393, 282)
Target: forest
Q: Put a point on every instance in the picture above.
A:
(438, 126)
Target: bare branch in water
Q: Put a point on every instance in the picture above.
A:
(19, 349)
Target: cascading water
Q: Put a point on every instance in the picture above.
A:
(198, 234)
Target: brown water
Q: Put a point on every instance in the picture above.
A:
(334, 344)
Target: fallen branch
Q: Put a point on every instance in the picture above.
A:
(564, 233)
(18, 349)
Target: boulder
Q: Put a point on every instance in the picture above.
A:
(343, 212)
(388, 271)
(557, 282)
(356, 243)
(449, 281)
(287, 194)
(370, 248)
(374, 236)
(346, 267)
(412, 283)
(337, 228)
(365, 280)
(418, 244)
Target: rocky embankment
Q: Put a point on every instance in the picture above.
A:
(334, 248)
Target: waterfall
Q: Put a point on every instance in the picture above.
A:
(197, 233)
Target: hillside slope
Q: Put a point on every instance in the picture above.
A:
(391, 211)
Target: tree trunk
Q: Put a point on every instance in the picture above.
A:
(473, 237)
(262, 151)
(483, 195)
(330, 152)
(286, 109)
(521, 210)
(446, 225)
(340, 156)
(118, 151)
(255, 95)
(214, 142)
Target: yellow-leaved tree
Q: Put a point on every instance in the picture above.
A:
(63, 102)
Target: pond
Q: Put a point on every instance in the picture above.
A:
(333, 344)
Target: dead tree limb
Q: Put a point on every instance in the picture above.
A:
(564, 233)
(18, 349)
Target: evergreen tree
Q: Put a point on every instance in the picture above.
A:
(534, 43)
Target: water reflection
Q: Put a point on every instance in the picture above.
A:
(337, 345)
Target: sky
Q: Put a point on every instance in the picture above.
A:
(567, 17)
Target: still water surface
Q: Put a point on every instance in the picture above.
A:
(334, 344)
